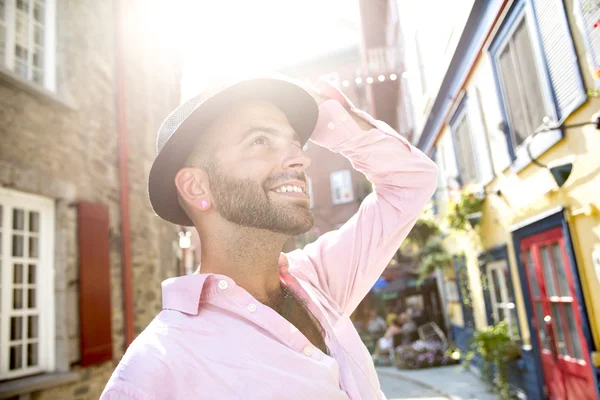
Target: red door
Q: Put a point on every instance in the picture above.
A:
(564, 352)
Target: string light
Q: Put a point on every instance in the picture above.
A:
(358, 80)
(381, 78)
(369, 80)
(345, 83)
(393, 77)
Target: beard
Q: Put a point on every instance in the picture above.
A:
(247, 203)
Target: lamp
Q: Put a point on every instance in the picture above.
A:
(561, 173)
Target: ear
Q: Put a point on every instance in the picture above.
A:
(192, 186)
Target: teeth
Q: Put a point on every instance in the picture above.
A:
(289, 188)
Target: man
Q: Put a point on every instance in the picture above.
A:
(376, 324)
(255, 323)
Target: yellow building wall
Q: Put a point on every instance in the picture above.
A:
(533, 191)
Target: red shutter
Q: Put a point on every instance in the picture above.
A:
(94, 284)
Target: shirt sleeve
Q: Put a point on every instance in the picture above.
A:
(344, 264)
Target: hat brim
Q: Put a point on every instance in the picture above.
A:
(296, 103)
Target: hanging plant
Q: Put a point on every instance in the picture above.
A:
(466, 210)
(424, 230)
(433, 256)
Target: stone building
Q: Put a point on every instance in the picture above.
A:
(84, 86)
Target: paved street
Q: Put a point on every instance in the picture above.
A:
(396, 388)
(451, 382)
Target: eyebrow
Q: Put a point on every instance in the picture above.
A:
(265, 129)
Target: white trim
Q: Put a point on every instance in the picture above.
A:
(536, 218)
(346, 176)
(49, 44)
(44, 281)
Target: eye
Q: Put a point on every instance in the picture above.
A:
(260, 140)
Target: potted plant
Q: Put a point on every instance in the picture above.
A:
(466, 209)
(498, 353)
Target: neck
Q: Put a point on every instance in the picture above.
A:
(249, 256)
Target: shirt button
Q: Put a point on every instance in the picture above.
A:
(344, 117)
(331, 126)
(308, 351)
(223, 284)
(251, 307)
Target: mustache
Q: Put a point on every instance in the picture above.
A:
(283, 177)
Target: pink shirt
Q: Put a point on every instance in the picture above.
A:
(213, 340)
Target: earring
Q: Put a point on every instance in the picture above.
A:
(204, 204)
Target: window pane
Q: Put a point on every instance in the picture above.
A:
(16, 357)
(31, 278)
(573, 332)
(18, 219)
(497, 287)
(531, 274)
(539, 315)
(23, 5)
(32, 327)
(38, 75)
(530, 82)
(563, 283)
(38, 58)
(31, 298)
(34, 221)
(34, 245)
(464, 146)
(17, 246)
(547, 270)
(17, 299)
(21, 69)
(18, 273)
(38, 11)
(559, 333)
(16, 328)
(22, 30)
(515, 107)
(32, 354)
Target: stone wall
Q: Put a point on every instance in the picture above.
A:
(65, 146)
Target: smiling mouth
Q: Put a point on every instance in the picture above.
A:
(291, 191)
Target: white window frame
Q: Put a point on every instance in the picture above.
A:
(346, 177)
(537, 147)
(463, 115)
(502, 305)
(45, 309)
(49, 46)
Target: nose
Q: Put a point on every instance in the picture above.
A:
(296, 159)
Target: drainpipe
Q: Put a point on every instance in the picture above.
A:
(123, 174)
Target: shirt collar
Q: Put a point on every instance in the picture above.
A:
(184, 293)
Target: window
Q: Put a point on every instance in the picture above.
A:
(588, 14)
(310, 192)
(502, 304)
(464, 148)
(520, 83)
(341, 187)
(537, 74)
(26, 284)
(27, 40)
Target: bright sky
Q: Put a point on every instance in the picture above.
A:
(237, 38)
